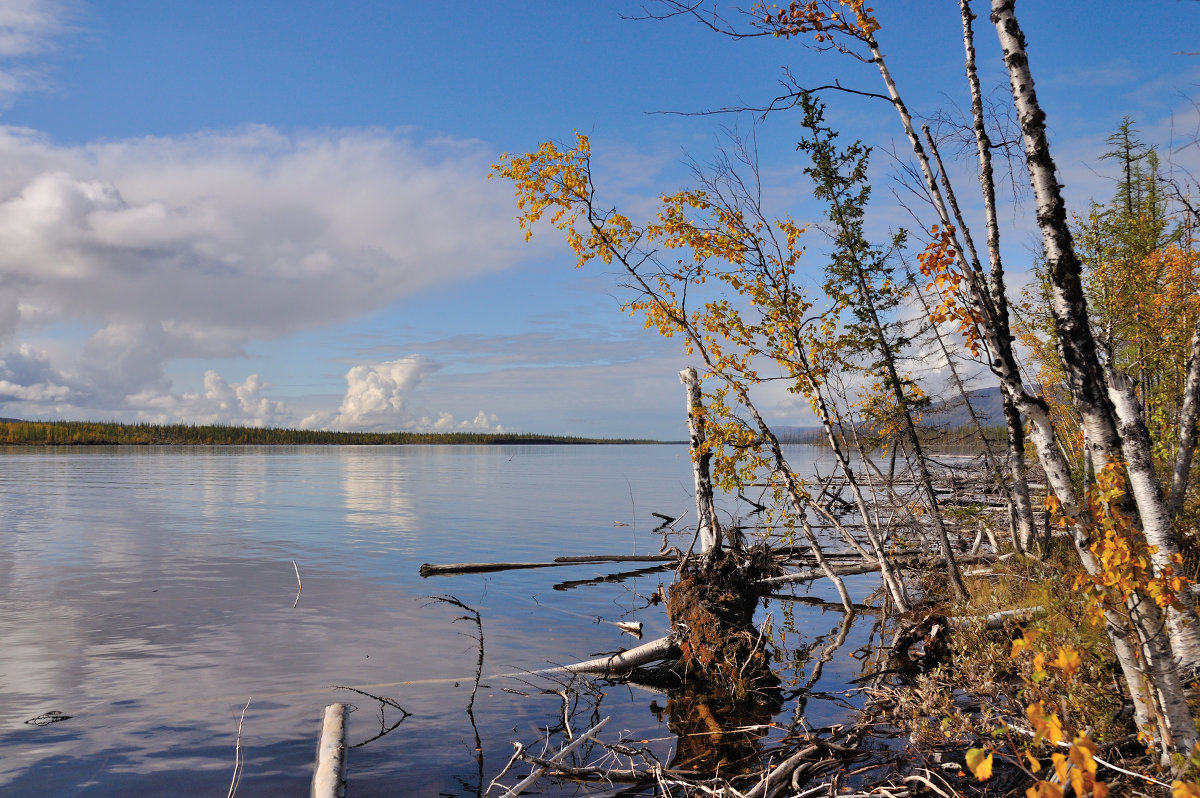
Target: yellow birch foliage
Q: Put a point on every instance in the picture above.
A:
(939, 263)
(1122, 553)
(1077, 766)
(729, 290)
(821, 18)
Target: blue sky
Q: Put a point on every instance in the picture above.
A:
(277, 212)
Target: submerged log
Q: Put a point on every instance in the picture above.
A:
(428, 569)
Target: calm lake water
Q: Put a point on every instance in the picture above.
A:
(148, 594)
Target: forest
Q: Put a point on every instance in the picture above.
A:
(1059, 588)
(92, 433)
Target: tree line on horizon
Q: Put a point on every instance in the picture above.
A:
(92, 433)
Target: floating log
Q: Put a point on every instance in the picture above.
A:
(587, 558)
(449, 569)
(329, 777)
(428, 569)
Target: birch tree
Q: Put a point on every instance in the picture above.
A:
(761, 257)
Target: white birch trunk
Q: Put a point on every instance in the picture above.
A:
(1182, 622)
(1078, 353)
(1021, 504)
(1125, 642)
(892, 580)
(1187, 429)
(705, 510)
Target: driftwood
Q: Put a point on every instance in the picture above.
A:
(644, 654)
(537, 773)
(588, 558)
(782, 775)
(329, 778)
(996, 619)
(810, 574)
(449, 569)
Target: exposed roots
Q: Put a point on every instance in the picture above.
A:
(712, 612)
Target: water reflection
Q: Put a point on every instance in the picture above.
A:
(148, 592)
(375, 489)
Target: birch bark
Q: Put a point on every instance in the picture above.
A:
(1187, 429)
(701, 457)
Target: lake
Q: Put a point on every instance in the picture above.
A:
(147, 593)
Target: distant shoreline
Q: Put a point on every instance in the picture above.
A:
(92, 433)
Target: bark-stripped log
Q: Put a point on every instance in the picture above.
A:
(329, 777)
(644, 654)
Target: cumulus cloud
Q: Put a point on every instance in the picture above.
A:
(379, 397)
(166, 248)
(220, 402)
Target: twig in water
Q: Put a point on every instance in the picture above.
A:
(299, 585)
(238, 761)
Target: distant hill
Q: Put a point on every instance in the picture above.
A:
(944, 415)
(952, 413)
(789, 434)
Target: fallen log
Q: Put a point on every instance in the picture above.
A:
(449, 569)
(996, 619)
(588, 558)
(810, 574)
(622, 661)
(329, 777)
(782, 775)
(428, 569)
(537, 773)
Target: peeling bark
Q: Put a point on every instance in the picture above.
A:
(1182, 621)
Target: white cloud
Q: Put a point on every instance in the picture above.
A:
(28, 28)
(241, 404)
(379, 397)
(166, 248)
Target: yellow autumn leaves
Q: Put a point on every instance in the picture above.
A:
(1076, 767)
